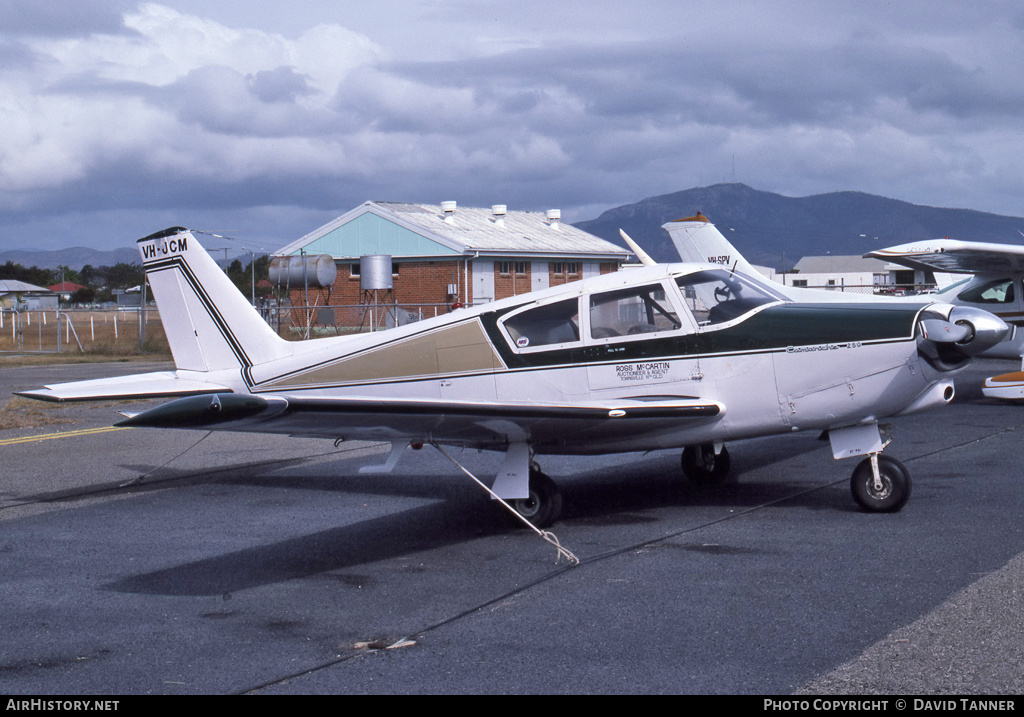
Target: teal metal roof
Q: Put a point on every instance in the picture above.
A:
(423, 230)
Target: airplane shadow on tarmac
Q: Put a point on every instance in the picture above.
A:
(462, 513)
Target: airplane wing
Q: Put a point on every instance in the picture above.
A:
(479, 424)
(952, 256)
(160, 384)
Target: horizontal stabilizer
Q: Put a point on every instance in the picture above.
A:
(160, 384)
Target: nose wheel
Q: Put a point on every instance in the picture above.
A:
(880, 484)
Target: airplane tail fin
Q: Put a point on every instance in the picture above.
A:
(698, 240)
(210, 326)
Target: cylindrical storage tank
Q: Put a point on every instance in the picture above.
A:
(375, 272)
(318, 270)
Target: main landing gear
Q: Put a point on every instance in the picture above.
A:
(543, 505)
(705, 466)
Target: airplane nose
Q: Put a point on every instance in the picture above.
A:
(983, 330)
(950, 335)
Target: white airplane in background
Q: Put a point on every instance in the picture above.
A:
(994, 284)
(683, 356)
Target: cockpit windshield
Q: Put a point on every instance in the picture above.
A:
(718, 295)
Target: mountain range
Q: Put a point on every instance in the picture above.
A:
(777, 231)
(768, 229)
(74, 258)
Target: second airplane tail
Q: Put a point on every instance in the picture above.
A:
(698, 240)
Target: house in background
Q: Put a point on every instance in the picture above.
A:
(65, 289)
(20, 295)
(449, 255)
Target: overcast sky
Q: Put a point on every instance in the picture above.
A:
(264, 120)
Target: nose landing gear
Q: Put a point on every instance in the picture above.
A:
(880, 484)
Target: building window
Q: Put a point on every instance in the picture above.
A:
(563, 268)
(505, 268)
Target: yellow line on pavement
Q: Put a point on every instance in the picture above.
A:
(64, 434)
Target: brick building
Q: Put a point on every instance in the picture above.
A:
(446, 254)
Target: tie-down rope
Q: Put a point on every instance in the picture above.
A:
(546, 535)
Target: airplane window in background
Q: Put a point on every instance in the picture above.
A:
(716, 295)
(999, 291)
(556, 323)
(637, 310)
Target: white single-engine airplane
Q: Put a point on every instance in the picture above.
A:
(994, 285)
(665, 356)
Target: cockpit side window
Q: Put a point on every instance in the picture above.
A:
(636, 310)
(547, 325)
(717, 295)
(999, 291)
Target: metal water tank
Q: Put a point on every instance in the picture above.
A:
(375, 272)
(318, 270)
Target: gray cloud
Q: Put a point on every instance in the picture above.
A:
(160, 109)
(62, 18)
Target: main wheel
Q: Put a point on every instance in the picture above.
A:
(705, 467)
(543, 506)
(890, 493)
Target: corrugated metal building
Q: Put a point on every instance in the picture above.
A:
(839, 271)
(15, 293)
(446, 254)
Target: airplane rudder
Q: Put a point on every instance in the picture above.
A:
(198, 294)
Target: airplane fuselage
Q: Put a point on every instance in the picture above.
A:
(777, 368)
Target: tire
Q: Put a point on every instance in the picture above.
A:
(895, 489)
(544, 504)
(704, 467)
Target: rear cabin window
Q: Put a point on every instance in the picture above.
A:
(637, 310)
(556, 323)
(992, 292)
(717, 295)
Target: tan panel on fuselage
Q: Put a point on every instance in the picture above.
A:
(458, 349)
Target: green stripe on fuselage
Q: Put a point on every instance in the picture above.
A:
(772, 329)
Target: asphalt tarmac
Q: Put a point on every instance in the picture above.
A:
(144, 561)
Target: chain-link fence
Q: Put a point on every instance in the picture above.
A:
(297, 323)
(116, 331)
(881, 290)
